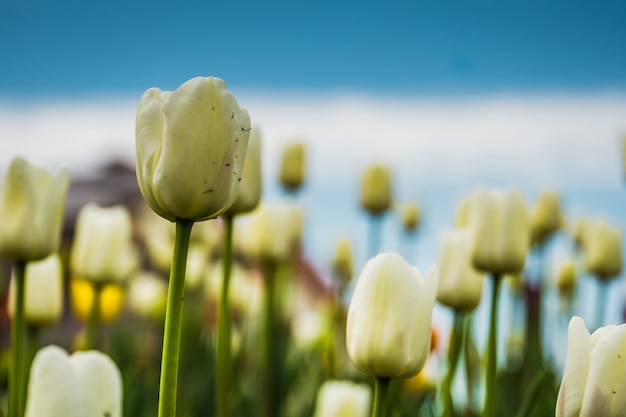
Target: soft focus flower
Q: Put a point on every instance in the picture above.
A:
(86, 384)
(545, 218)
(32, 203)
(500, 228)
(577, 228)
(191, 146)
(197, 266)
(388, 330)
(376, 197)
(603, 249)
(460, 284)
(343, 399)
(82, 298)
(343, 262)
(251, 186)
(566, 278)
(292, 167)
(593, 380)
(147, 296)
(43, 297)
(410, 216)
(103, 250)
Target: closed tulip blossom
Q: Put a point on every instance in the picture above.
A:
(342, 399)
(376, 195)
(85, 384)
(603, 249)
(546, 217)
(293, 166)
(191, 146)
(410, 217)
(593, 379)
(251, 187)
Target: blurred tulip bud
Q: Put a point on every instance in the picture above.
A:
(343, 399)
(603, 249)
(594, 372)
(251, 186)
(82, 297)
(411, 217)
(86, 384)
(147, 296)
(462, 212)
(32, 205)
(190, 147)
(197, 266)
(460, 284)
(388, 330)
(103, 250)
(500, 229)
(292, 167)
(43, 296)
(376, 196)
(577, 229)
(343, 263)
(545, 218)
(566, 278)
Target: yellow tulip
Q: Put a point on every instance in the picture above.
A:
(32, 204)
(292, 167)
(545, 218)
(593, 379)
(342, 399)
(376, 196)
(388, 329)
(411, 216)
(251, 186)
(603, 249)
(566, 278)
(343, 262)
(190, 149)
(81, 296)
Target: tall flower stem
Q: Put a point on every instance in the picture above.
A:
(173, 320)
(492, 351)
(223, 340)
(601, 302)
(32, 341)
(454, 353)
(381, 391)
(270, 382)
(16, 372)
(93, 321)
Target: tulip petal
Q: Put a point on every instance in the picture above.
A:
(101, 382)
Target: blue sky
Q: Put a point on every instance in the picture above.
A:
(398, 47)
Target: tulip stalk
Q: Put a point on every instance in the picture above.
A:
(454, 353)
(223, 340)
(270, 382)
(492, 351)
(16, 366)
(93, 320)
(173, 321)
(381, 393)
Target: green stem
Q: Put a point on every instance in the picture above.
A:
(381, 391)
(492, 352)
(270, 381)
(93, 321)
(454, 353)
(32, 341)
(173, 320)
(16, 373)
(223, 340)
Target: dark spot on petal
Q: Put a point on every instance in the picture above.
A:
(228, 164)
(207, 191)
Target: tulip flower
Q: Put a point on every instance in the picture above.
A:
(342, 399)
(545, 218)
(251, 186)
(603, 250)
(110, 300)
(292, 167)
(147, 296)
(32, 204)
(566, 280)
(388, 329)
(593, 380)
(410, 216)
(343, 264)
(191, 146)
(103, 251)
(376, 195)
(85, 384)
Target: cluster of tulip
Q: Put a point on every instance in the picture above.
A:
(256, 345)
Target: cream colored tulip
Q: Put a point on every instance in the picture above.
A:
(103, 250)
(32, 205)
(603, 249)
(190, 148)
(86, 384)
(545, 218)
(251, 186)
(410, 216)
(293, 166)
(376, 195)
(147, 296)
(343, 399)
(460, 284)
(595, 368)
(43, 297)
(499, 221)
(388, 330)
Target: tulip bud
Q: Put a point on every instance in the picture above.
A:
(250, 189)
(191, 146)
(32, 204)
(460, 284)
(603, 250)
(376, 195)
(147, 296)
(86, 384)
(545, 219)
(292, 167)
(342, 399)
(594, 372)
(500, 228)
(343, 262)
(43, 293)
(103, 250)
(82, 298)
(388, 330)
(566, 278)
(410, 217)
